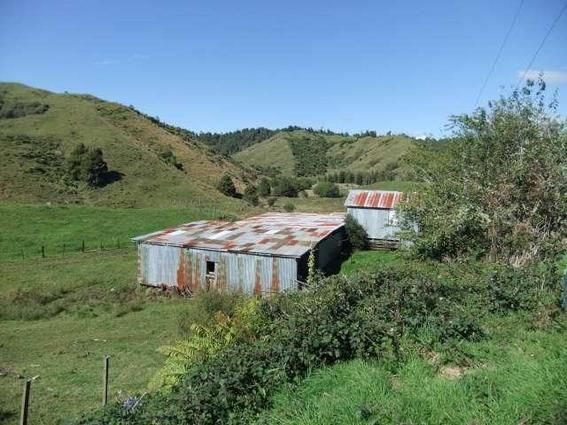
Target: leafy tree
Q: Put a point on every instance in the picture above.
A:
(226, 186)
(251, 195)
(264, 187)
(497, 189)
(327, 190)
(285, 186)
(87, 165)
(356, 236)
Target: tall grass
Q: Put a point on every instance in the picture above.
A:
(515, 381)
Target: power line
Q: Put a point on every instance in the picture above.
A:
(542, 43)
(497, 58)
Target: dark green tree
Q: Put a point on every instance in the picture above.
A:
(327, 190)
(226, 186)
(251, 195)
(356, 236)
(285, 186)
(87, 165)
(264, 187)
(497, 189)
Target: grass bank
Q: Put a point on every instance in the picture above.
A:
(25, 228)
(516, 376)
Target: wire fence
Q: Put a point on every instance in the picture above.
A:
(63, 249)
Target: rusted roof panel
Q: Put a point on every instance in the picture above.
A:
(280, 234)
(385, 199)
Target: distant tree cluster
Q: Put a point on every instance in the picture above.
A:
(235, 141)
(363, 177)
(309, 154)
(87, 165)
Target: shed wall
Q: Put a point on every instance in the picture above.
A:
(185, 268)
(329, 250)
(375, 222)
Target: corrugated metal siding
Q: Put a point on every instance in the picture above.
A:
(158, 265)
(186, 269)
(375, 222)
(373, 198)
(329, 249)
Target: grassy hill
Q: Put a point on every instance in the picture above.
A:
(283, 152)
(38, 130)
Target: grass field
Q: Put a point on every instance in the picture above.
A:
(363, 260)
(61, 314)
(27, 227)
(517, 377)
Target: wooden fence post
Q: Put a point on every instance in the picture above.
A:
(25, 403)
(42, 251)
(105, 381)
(83, 246)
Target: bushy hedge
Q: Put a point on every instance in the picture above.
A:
(327, 190)
(366, 316)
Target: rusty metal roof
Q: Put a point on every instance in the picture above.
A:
(385, 199)
(277, 234)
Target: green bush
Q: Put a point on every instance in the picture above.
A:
(226, 186)
(251, 195)
(169, 158)
(289, 207)
(371, 315)
(285, 186)
(205, 306)
(356, 236)
(87, 165)
(264, 187)
(327, 190)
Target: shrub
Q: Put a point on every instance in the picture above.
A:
(356, 236)
(251, 195)
(289, 207)
(264, 187)
(203, 308)
(204, 343)
(87, 165)
(284, 186)
(495, 190)
(272, 201)
(370, 315)
(169, 158)
(327, 190)
(226, 186)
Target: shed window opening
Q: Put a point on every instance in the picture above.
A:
(211, 267)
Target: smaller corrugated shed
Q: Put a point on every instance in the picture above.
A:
(383, 199)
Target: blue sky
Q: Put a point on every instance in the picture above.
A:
(401, 66)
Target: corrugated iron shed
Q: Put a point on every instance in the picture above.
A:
(274, 234)
(384, 199)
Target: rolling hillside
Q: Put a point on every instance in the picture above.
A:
(351, 153)
(39, 129)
